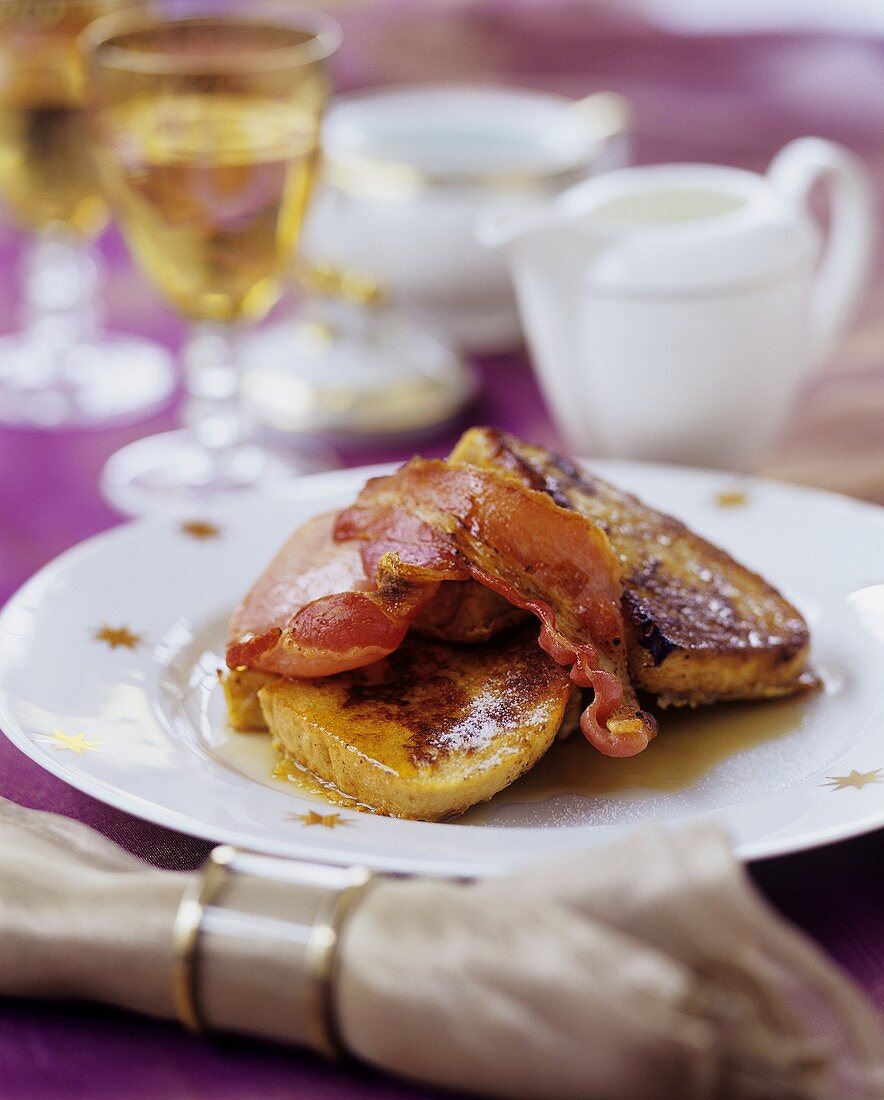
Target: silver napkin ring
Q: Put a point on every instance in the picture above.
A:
(343, 887)
(322, 957)
(186, 933)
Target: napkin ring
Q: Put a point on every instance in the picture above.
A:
(342, 887)
(186, 932)
(322, 957)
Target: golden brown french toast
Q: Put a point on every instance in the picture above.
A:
(700, 626)
(241, 687)
(426, 732)
(464, 611)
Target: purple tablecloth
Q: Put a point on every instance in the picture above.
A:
(716, 99)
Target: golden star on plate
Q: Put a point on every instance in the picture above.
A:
(330, 821)
(732, 498)
(73, 742)
(855, 779)
(118, 636)
(200, 529)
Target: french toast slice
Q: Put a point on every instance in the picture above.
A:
(241, 687)
(465, 611)
(700, 627)
(426, 732)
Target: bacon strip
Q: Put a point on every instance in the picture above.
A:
(313, 612)
(429, 517)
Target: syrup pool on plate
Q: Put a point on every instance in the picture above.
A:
(692, 743)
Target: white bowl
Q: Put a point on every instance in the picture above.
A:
(406, 170)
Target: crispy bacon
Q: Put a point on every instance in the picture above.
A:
(313, 611)
(428, 519)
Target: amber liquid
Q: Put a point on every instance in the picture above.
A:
(210, 190)
(691, 743)
(46, 174)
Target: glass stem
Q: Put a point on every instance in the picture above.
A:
(60, 278)
(214, 412)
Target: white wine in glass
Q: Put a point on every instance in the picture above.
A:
(205, 124)
(61, 368)
(46, 178)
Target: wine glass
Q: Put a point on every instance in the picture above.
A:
(61, 368)
(205, 125)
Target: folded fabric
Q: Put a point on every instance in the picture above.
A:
(649, 969)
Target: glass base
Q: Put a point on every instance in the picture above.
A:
(115, 379)
(349, 372)
(171, 471)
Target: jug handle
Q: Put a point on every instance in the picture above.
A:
(846, 264)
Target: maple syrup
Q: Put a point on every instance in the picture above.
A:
(690, 744)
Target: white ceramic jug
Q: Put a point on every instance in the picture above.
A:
(672, 310)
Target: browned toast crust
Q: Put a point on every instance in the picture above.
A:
(700, 626)
(429, 730)
(465, 611)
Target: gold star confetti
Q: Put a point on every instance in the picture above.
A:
(200, 529)
(330, 821)
(73, 742)
(855, 779)
(118, 636)
(732, 498)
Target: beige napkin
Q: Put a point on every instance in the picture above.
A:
(648, 969)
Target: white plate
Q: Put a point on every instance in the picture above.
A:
(141, 726)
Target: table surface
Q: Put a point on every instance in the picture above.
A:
(733, 100)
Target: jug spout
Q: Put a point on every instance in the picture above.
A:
(549, 252)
